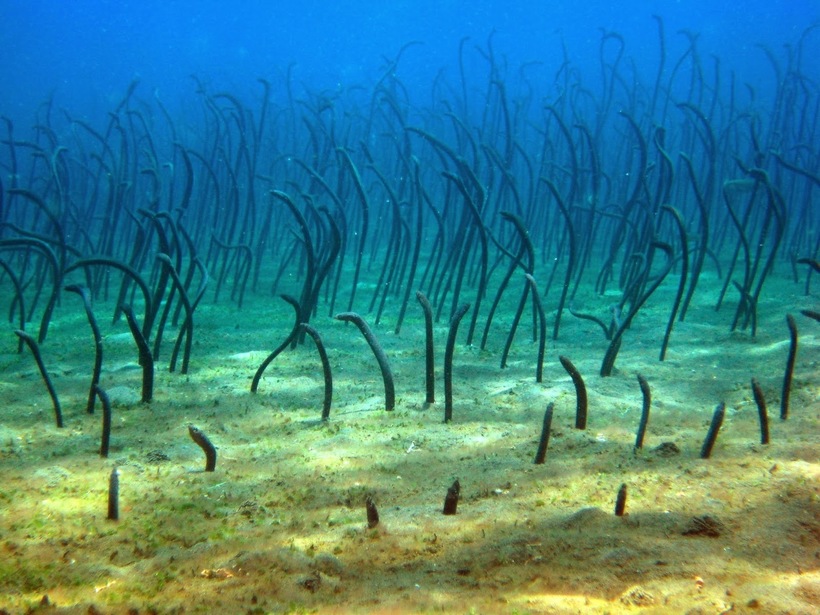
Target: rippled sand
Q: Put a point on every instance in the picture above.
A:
(280, 526)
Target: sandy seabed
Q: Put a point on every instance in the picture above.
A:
(280, 526)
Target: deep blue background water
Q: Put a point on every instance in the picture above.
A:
(87, 52)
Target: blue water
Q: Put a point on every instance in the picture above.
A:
(87, 52)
